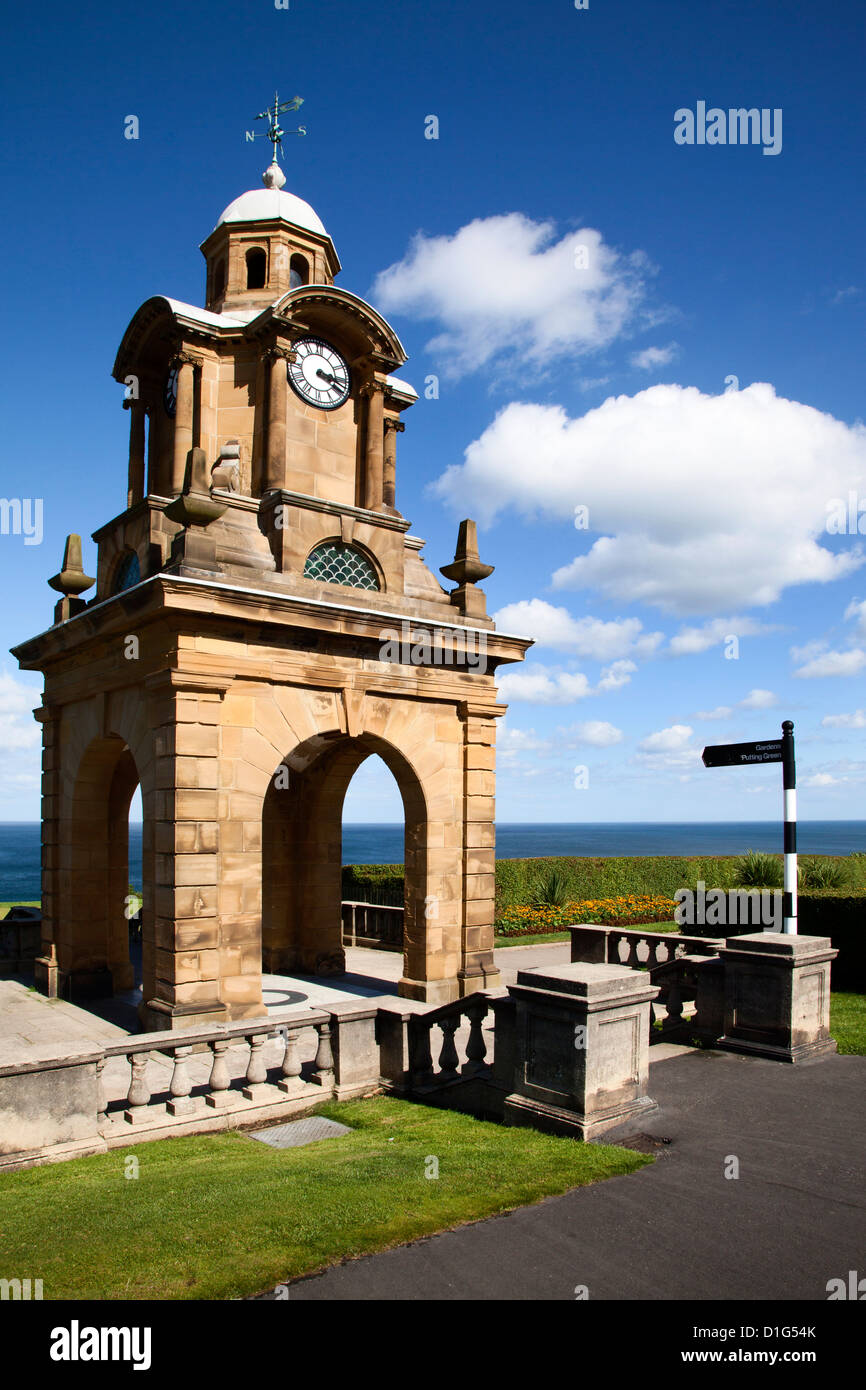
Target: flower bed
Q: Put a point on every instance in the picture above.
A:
(626, 910)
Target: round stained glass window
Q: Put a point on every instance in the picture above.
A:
(336, 563)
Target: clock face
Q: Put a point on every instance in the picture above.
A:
(169, 393)
(319, 375)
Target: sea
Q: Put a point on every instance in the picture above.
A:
(383, 844)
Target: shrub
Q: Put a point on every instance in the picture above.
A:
(550, 889)
(841, 915)
(822, 873)
(758, 870)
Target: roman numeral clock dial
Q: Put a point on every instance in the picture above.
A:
(319, 375)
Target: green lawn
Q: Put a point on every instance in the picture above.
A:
(848, 1022)
(222, 1216)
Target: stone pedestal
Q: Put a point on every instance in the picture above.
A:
(777, 996)
(581, 1048)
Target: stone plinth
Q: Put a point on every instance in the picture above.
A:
(777, 995)
(581, 1048)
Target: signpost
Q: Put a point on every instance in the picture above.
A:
(772, 751)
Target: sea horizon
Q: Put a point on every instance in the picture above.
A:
(382, 843)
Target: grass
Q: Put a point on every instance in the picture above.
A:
(222, 1216)
(4, 907)
(848, 1022)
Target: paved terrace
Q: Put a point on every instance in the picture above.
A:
(28, 1020)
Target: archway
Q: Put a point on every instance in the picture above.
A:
(302, 857)
(93, 948)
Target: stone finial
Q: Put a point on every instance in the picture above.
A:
(467, 567)
(273, 177)
(71, 580)
(466, 570)
(195, 506)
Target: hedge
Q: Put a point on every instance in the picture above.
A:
(841, 915)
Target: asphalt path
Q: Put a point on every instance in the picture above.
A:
(680, 1229)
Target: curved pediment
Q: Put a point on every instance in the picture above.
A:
(160, 320)
(329, 310)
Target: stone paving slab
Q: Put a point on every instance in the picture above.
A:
(299, 1132)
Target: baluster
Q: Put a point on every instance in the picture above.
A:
(139, 1088)
(674, 1006)
(476, 1047)
(219, 1094)
(448, 1058)
(181, 1102)
(257, 1072)
(101, 1094)
(323, 1074)
(420, 1056)
(291, 1083)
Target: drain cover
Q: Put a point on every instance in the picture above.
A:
(298, 1132)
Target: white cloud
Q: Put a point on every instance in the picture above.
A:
(857, 609)
(759, 699)
(822, 779)
(691, 640)
(834, 664)
(701, 504)
(536, 685)
(596, 732)
(539, 685)
(587, 637)
(652, 357)
(857, 720)
(504, 287)
(18, 729)
(669, 748)
(667, 740)
(617, 674)
(720, 712)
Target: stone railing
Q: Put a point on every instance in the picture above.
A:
(60, 1102)
(375, 925)
(687, 970)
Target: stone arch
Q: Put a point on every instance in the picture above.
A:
(92, 937)
(105, 752)
(302, 817)
(328, 734)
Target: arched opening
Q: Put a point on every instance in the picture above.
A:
(307, 838)
(299, 272)
(106, 863)
(257, 269)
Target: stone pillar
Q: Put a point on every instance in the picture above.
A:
(777, 995)
(581, 1048)
(277, 359)
(375, 456)
(183, 419)
(135, 489)
(389, 480)
(477, 967)
(46, 965)
(181, 965)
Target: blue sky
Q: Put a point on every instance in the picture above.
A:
(668, 335)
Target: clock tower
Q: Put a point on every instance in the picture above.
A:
(262, 622)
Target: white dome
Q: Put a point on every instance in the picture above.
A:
(265, 204)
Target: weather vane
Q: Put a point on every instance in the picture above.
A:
(275, 132)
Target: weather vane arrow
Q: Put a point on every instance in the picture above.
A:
(275, 132)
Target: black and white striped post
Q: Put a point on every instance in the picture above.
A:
(789, 782)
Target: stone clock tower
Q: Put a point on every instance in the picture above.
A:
(262, 623)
